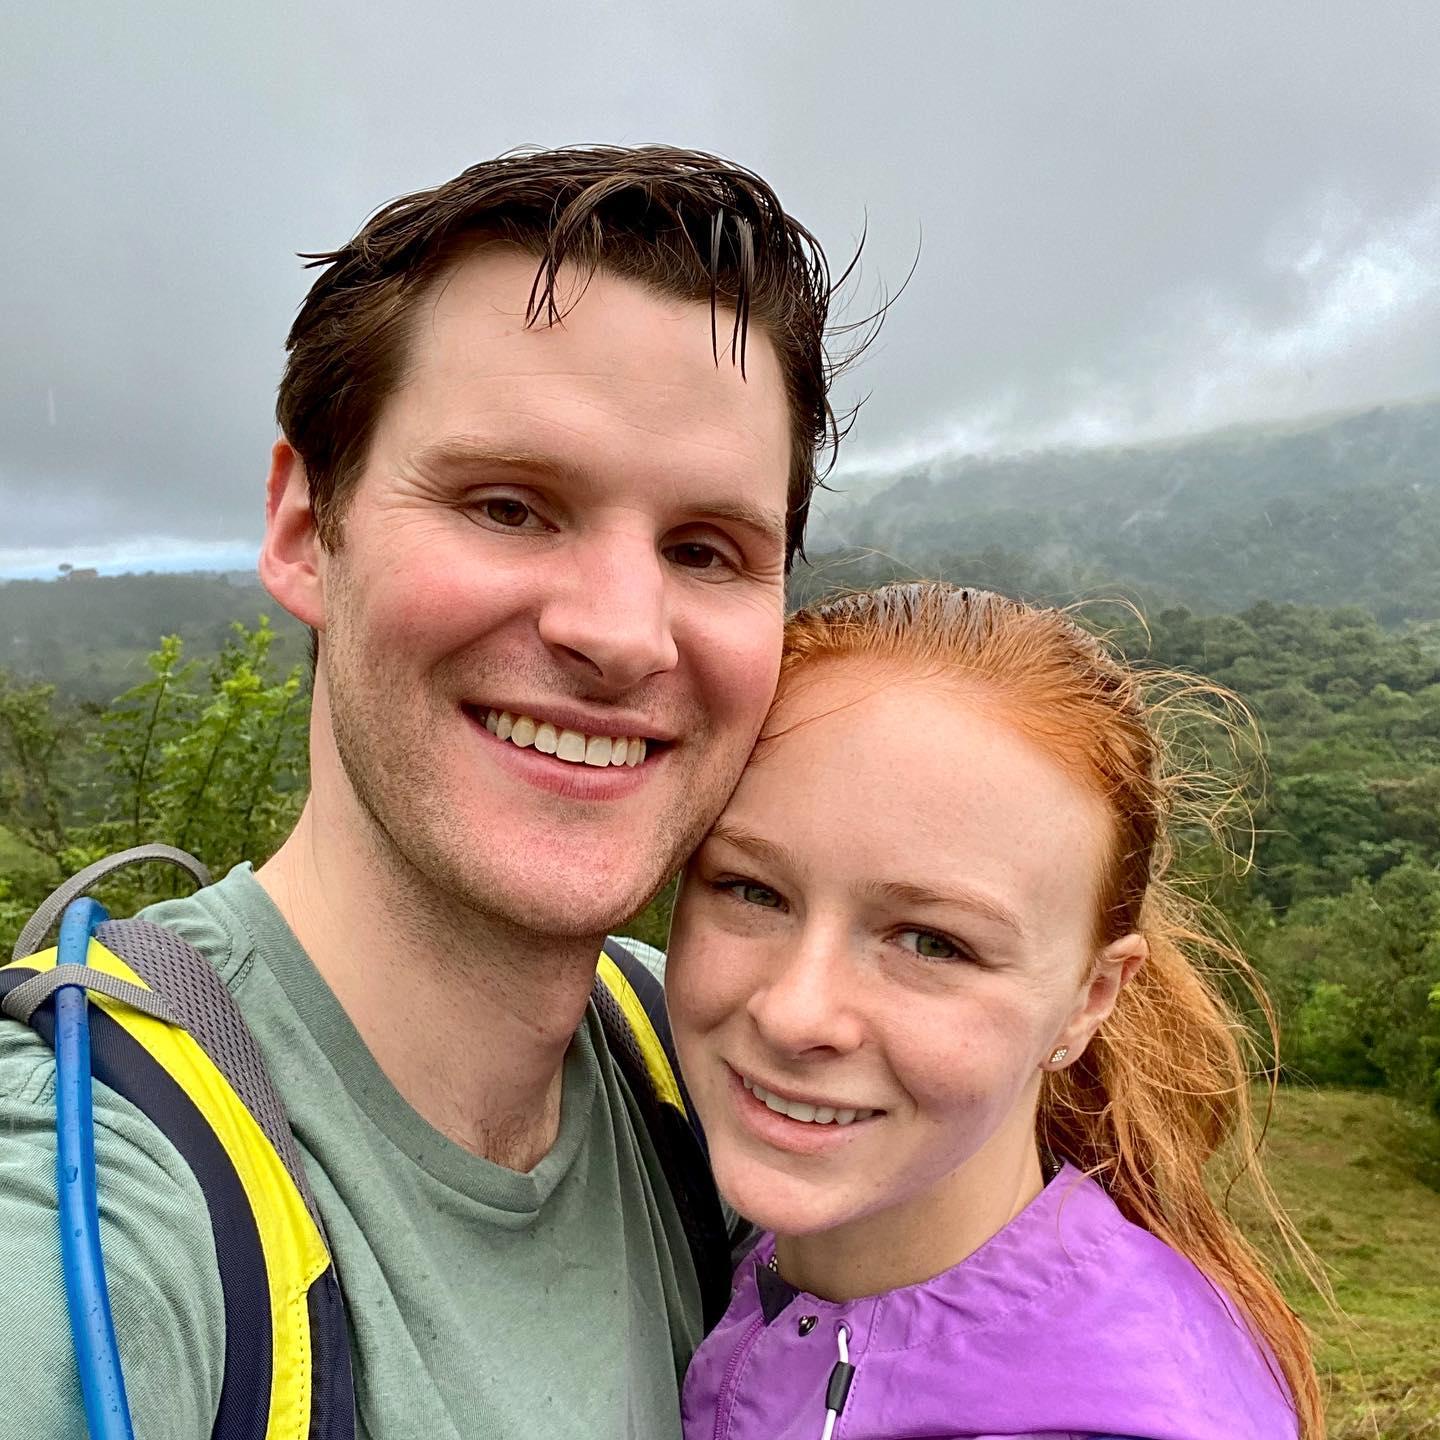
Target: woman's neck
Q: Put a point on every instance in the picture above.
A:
(919, 1239)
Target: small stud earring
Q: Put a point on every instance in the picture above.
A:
(1060, 1053)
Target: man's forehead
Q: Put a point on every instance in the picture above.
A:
(622, 345)
(617, 325)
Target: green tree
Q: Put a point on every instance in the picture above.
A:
(210, 759)
(1352, 977)
(39, 745)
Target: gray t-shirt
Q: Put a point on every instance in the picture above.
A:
(483, 1303)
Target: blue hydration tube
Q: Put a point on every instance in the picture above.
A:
(107, 1413)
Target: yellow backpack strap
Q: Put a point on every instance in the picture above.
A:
(631, 1004)
(647, 1019)
(189, 1062)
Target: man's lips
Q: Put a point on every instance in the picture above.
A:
(580, 718)
(569, 779)
(596, 748)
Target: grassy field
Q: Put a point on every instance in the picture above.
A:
(1348, 1174)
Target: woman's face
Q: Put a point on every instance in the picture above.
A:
(886, 935)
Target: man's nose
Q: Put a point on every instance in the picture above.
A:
(813, 1000)
(608, 616)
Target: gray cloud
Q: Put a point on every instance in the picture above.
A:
(1138, 218)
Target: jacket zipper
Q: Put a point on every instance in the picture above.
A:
(727, 1390)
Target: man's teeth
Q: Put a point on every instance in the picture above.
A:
(571, 745)
(802, 1110)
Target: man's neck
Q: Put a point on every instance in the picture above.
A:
(469, 1020)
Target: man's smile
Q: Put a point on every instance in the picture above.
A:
(566, 761)
(578, 747)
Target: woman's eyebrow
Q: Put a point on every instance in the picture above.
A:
(905, 893)
(780, 856)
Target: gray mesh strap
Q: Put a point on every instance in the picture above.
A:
(26, 998)
(203, 1005)
(42, 921)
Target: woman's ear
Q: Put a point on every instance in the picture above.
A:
(1113, 969)
(292, 557)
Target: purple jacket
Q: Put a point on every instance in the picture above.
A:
(1071, 1322)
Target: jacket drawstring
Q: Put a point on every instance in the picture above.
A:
(838, 1389)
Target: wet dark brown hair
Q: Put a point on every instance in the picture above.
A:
(689, 225)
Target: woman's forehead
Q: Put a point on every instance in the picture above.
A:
(873, 772)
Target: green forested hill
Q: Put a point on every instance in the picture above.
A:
(1342, 512)
(90, 636)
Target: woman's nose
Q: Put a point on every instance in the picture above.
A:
(814, 1002)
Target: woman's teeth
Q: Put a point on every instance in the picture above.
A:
(571, 745)
(802, 1110)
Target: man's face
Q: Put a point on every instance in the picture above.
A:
(580, 527)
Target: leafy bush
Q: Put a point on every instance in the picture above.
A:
(210, 758)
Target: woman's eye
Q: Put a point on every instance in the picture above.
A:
(511, 513)
(750, 893)
(929, 946)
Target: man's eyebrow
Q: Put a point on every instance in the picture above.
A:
(768, 524)
(780, 856)
(904, 893)
(462, 454)
(458, 454)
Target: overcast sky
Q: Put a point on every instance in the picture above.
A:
(1138, 219)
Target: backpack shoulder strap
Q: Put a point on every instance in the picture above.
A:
(48, 912)
(641, 998)
(186, 1058)
(631, 1003)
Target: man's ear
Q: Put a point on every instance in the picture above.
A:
(1114, 968)
(292, 557)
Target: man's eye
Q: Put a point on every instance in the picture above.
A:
(929, 946)
(694, 555)
(510, 513)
